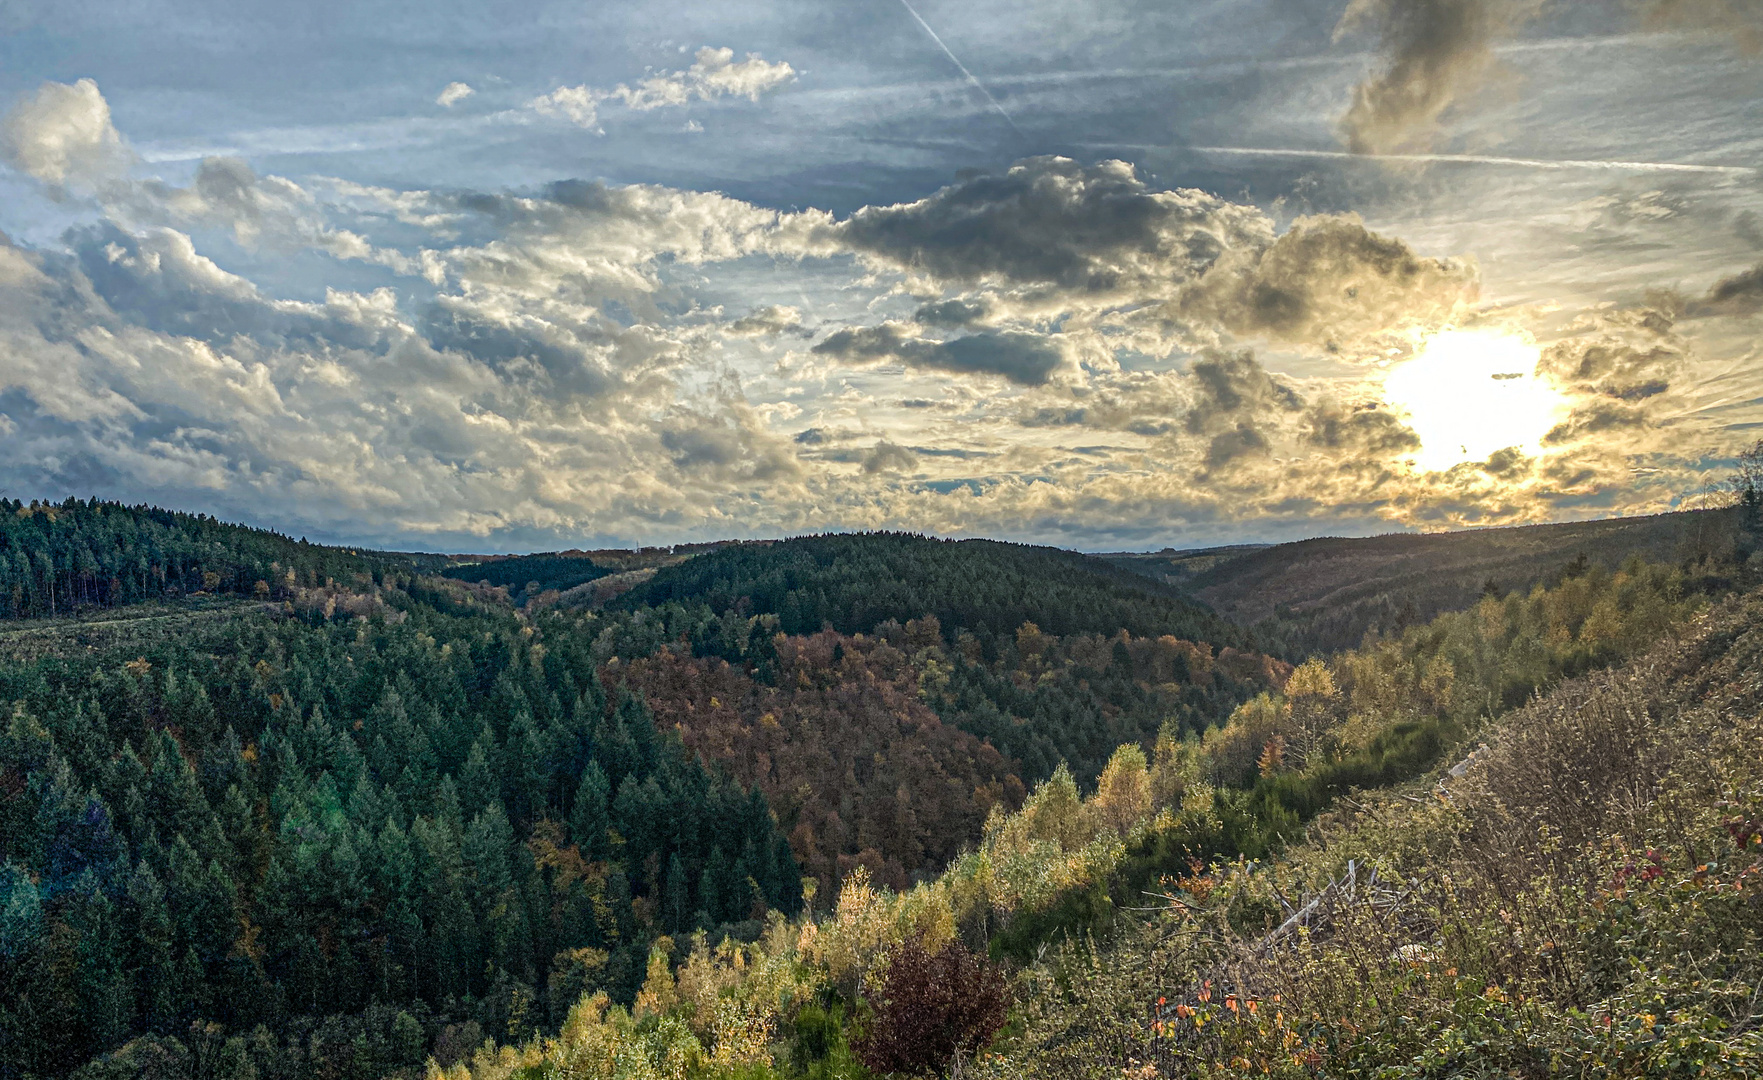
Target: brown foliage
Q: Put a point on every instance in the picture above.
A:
(930, 1009)
(859, 770)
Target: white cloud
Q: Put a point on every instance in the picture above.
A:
(577, 104)
(63, 135)
(714, 73)
(453, 93)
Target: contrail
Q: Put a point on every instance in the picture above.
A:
(1480, 159)
(977, 85)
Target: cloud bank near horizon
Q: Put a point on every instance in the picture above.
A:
(1051, 351)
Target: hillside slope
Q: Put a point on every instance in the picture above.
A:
(854, 581)
(1580, 898)
(57, 558)
(1324, 594)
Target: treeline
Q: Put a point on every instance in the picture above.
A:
(526, 576)
(852, 582)
(338, 846)
(57, 558)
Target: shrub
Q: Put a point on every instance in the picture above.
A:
(930, 1009)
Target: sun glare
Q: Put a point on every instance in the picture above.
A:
(1471, 393)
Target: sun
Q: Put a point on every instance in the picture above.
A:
(1471, 393)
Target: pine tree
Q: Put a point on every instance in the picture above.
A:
(590, 815)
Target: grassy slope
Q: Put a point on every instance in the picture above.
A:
(1583, 900)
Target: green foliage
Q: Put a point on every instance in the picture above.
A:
(278, 822)
(853, 582)
(55, 559)
(526, 576)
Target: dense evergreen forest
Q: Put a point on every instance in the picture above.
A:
(529, 575)
(350, 834)
(852, 582)
(57, 558)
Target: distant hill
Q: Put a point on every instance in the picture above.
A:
(852, 582)
(1324, 594)
(58, 557)
(531, 574)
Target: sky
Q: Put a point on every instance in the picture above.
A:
(1108, 275)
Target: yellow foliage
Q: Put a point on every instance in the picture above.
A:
(1311, 679)
(1123, 794)
(658, 994)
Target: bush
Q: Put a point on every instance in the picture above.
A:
(930, 1009)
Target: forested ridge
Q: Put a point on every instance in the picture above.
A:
(830, 807)
(851, 582)
(57, 558)
(530, 575)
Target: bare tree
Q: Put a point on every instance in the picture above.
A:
(1747, 485)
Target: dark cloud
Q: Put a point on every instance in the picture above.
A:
(1244, 440)
(1433, 53)
(1236, 406)
(887, 457)
(1051, 222)
(1508, 464)
(767, 321)
(1740, 294)
(1233, 387)
(951, 314)
(1026, 359)
(158, 281)
(1365, 430)
(725, 447)
(569, 355)
(1625, 354)
(1326, 281)
(1596, 418)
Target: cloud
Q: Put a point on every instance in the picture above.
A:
(1621, 354)
(1740, 294)
(1051, 224)
(1051, 236)
(1434, 53)
(886, 457)
(62, 135)
(577, 104)
(766, 321)
(452, 94)
(951, 314)
(1022, 358)
(1236, 406)
(1366, 430)
(260, 210)
(1328, 281)
(715, 73)
(1738, 21)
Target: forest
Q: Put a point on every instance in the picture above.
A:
(855, 806)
